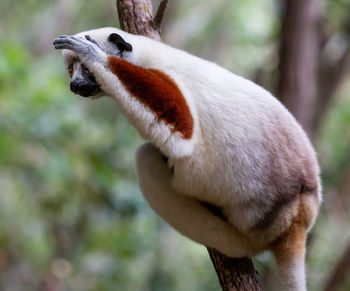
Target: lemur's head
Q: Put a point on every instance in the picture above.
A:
(83, 81)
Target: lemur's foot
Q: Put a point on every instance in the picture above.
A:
(86, 48)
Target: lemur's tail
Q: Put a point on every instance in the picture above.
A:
(290, 249)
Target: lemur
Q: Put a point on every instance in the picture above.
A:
(214, 138)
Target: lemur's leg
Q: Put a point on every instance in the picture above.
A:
(187, 215)
(289, 251)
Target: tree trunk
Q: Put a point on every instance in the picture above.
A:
(308, 80)
(297, 88)
(135, 16)
(340, 273)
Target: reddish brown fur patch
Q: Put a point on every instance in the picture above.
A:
(157, 91)
(292, 242)
(290, 245)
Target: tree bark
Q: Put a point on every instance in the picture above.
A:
(340, 272)
(135, 16)
(297, 87)
(235, 274)
(306, 85)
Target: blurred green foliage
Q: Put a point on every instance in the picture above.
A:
(71, 214)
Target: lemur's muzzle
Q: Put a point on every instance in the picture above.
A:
(83, 88)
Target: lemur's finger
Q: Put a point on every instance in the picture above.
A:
(69, 42)
(89, 38)
(62, 40)
(63, 46)
(66, 46)
(56, 40)
(68, 38)
(63, 37)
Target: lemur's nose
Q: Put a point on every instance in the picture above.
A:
(74, 87)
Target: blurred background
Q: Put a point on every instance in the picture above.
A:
(71, 214)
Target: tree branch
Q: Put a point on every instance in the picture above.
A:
(158, 19)
(235, 274)
(135, 16)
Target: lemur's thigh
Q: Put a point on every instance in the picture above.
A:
(185, 214)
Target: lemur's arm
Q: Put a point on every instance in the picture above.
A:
(150, 98)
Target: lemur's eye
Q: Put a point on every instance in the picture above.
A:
(70, 71)
(86, 70)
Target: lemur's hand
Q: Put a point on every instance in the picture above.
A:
(86, 48)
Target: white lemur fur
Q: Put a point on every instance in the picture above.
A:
(227, 143)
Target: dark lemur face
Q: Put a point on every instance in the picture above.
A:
(83, 81)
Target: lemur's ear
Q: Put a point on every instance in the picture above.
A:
(120, 42)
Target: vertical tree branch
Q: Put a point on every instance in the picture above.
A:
(158, 19)
(135, 16)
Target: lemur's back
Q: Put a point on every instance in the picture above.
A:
(250, 149)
